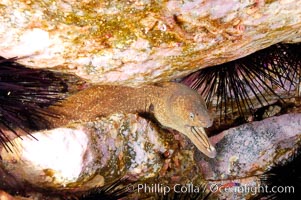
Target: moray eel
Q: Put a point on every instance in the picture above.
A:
(173, 105)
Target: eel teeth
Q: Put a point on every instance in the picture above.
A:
(200, 139)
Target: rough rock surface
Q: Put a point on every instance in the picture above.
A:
(136, 42)
(87, 154)
(249, 150)
(127, 144)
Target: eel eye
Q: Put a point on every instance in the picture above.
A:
(191, 115)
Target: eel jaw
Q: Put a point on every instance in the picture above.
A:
(199, 138)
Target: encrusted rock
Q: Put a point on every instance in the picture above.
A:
(87, 154)
(246, 151)
(136, 42)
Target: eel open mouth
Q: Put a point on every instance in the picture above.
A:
(199, 138)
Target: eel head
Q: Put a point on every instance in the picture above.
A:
(186, 112)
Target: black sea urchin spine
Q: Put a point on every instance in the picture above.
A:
(125, 189)
(24, 92)
(119, 189)
(235, 85)
(283, 181)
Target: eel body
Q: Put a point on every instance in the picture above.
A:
(173, 105)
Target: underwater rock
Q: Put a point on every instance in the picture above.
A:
(136, 42)
(246, 151)
(5, 196)
(86, 155)
(247, 148)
